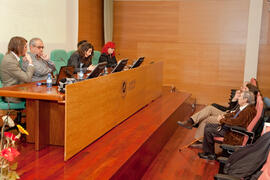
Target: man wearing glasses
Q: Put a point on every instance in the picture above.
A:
(43, 65)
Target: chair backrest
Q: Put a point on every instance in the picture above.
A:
(266, 169)
(95, 58)
(69, 53)
(259, 108)
(59, 55)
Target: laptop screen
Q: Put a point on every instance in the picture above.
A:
(120, 66)
(137, 63)
(65, 72)
(98, 69)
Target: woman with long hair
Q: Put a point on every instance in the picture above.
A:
(83, 55)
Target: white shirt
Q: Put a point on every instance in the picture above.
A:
(243, 107)
(17, 57)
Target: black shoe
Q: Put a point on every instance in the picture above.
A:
(186, 124)
(197, 145)
(207, 156)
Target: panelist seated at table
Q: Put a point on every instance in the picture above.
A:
(80, 43)
(83, 55)
(10, 69)
(43, 65)
(108, 55)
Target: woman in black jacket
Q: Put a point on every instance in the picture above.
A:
(108, 55)
(83, 55)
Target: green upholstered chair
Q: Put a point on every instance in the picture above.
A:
(18, 107)
(95, 59)
(69, 53)
(59, 55)
(60, 58)
(15, 106)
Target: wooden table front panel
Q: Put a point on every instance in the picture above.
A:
(95, 106)
(45, 122)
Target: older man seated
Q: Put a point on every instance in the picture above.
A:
(43, 65)
(210, 114)
(241, 117)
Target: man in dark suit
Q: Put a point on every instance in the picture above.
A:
(241, 117)
(10, 70)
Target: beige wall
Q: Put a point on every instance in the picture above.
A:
(253, 39)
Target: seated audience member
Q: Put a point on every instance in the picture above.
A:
(210, 114)
(233, 102)
(83, 55)
(43, 65)
(10, 71)
(242, 117)
(108, 55)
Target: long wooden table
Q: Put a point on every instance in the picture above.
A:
(45, 112)
(88, 109)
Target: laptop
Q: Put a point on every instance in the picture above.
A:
(137, 63)
(120, 66)
(98, 69)
(65, 72)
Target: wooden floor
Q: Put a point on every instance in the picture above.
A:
(170, 164)
(186, 165)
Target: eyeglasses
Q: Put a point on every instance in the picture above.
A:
(39, 47)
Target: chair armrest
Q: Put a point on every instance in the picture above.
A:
(225, 177)
(234, 127)
(229, 148)
(222, 159)
(241, 130)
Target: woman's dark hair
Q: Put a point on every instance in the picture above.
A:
(83, 48)
(16, 44)
(80, 43)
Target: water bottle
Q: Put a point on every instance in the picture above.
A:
(105, 71)
(80, 73)
(49, 80)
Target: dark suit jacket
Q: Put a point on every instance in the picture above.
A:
(243, 120)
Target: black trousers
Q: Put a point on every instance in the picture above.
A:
(211, 131)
